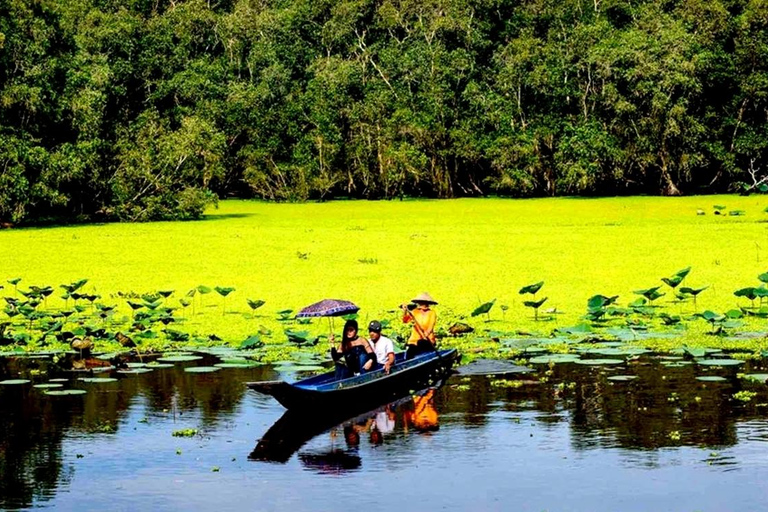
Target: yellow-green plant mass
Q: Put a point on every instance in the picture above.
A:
(380, 254)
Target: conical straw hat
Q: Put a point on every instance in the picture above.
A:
(424, 297)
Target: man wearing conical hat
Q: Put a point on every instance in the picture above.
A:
(424, 319)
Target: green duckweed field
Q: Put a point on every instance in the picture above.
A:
(379, 254)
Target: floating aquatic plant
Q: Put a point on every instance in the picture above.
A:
(484, 309)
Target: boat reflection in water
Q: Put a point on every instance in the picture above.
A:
(413, 414)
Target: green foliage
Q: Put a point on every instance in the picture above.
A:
(143, 113)
(531, 288)
(484, 308)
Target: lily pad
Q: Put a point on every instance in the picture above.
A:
(13, 382)
(97, 380)
(720, 362)
(202, 369)
(615, 351)
(598, 362)
(135, 365)
(676, 364)
(157, 366)
(59, 380)
(622, 378)
(48, 386)
(137, 371)
(65, 392)
(711, 378)
(178, 359)
(760, 377)
(236, 365)
(554, 358)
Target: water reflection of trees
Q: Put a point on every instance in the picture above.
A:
(33, 425)
(645, 413)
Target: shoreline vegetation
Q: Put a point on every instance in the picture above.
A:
(238, 277)
(149, 110)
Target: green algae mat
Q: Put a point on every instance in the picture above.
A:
(243, 272)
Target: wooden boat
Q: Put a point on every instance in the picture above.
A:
(362, 392)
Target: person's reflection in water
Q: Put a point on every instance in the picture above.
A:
(423, 416)
(352, 437)
(383, 423)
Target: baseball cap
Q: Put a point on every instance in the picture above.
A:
(374, 326)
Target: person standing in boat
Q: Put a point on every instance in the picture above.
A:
(382, 346)
(423, 319)
(357, 353)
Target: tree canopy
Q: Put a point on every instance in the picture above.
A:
(150, 109)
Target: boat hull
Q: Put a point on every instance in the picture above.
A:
(364, 391)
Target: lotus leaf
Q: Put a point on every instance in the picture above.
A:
(530, 303)
(204, 289)
(255, 304)
(65, 392)
(138, 371)
(202, 369)
(245, 364)
(48, 386)
(711, 316)
(224, 290)
(597, 362)
(554, 358)
(677, 278)
(484, 308)
(531, 288)
(178, 359)
(13, 382)
(694, 352)
(576, 329)
(748, 292)
(599, 301)
(158, 366)
(711, 378)
(97, 380)
(252, 342)
(719, 362)
(760, 377)
(622, 378)
(676, 364)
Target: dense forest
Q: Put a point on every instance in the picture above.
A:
(151, 109)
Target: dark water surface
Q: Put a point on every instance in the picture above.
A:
(577, 441)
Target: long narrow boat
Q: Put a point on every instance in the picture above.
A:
(324, 392)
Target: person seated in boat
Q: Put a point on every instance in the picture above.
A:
(383, 347)
(423, 319)
(356, 352)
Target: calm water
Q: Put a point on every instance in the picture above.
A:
(664, 441)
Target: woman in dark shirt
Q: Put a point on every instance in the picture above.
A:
(355, 350)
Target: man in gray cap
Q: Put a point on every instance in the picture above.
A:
(383, 346)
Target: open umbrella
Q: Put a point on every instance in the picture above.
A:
(329, 308)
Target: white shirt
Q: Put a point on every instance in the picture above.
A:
(383, 347)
